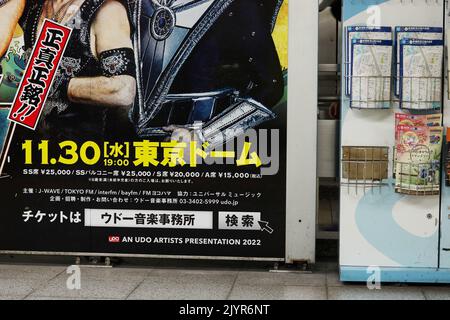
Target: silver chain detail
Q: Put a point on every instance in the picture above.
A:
(3, 2)
(162, 3)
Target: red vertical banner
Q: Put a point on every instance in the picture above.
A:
(37, 81)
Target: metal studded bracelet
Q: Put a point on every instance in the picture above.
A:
(116, 62)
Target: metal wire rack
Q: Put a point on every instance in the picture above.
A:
(420, 93)
(418, 179)
(364, 168)
(370, 92)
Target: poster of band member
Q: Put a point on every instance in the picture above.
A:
(152, 127)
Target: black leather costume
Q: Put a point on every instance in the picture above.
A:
(207, 62)
(62, 119)
(219, 68)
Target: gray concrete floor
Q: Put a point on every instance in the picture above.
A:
(202, 281)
